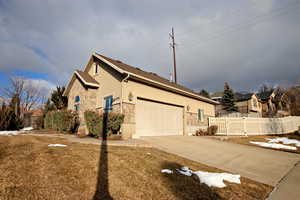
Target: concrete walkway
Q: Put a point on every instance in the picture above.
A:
(263, 165)
(89, 140)
(288, 187)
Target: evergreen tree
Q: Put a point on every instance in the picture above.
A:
(60, 101)
(49, 106)
(204, 93)
(228, 99)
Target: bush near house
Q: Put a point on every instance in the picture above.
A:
(61, 120)
(211, 130)
(96, 122)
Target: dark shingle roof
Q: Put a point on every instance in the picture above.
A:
(152, 76)
(86, 77)
(242, 97)
(264, 95)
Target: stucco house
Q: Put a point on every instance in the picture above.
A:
(248, 104)
(152, 105)
(266, 98)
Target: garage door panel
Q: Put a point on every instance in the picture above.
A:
(154, 119)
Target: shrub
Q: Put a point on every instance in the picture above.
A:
(212, 130)
(8, 119)
(201, 132)
(115, 121)
(63, 120)
(96, 122)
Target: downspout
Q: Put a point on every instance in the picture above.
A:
(121, 100)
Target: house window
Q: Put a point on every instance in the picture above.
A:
(76, 107)
(200, 115)
(97, 68)
(77, 103)
(77, 99)
(108, 103)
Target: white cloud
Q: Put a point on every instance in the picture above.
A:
(221, 40)
(44, 86)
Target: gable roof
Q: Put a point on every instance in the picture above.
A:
(264, 95)
(86, 78)
(152, 77)
(217, 94)
(242, 97)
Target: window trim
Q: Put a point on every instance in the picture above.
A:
(97, 69)
(200, 115)
(109, 109)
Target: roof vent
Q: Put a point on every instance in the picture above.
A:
(153, 73)
(138, 68)
(118, 61)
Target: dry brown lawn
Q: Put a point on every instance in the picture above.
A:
(29, 169)
(262, 138)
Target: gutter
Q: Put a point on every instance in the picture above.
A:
(121, 100)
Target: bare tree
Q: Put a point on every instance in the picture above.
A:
(30, 95)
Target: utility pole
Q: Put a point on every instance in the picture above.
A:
(173, 44)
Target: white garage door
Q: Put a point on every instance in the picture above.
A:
(157, 119)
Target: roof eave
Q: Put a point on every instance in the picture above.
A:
(152, 81)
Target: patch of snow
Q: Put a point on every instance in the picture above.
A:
(167, 171)
(57, 145)
(273, 145)
(217, 179)
(185, 171)
(27, 129)
(284, 140)
(9, 133)
(210, 179)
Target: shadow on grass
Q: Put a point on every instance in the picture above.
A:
(102, 187)
(186, 187)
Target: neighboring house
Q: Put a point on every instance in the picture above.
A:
(267, 100)
(217, 96)
(33, 118)
(248, 103)
(152, 105)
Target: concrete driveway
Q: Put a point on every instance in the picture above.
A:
(263, 165)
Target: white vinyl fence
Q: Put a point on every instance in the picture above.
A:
(255, 126)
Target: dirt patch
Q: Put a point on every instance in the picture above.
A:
(31, 170)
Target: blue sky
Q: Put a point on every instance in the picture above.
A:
(245, 43)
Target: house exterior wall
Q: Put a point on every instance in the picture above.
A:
(190, 105)
(88, 98)
(111, 83)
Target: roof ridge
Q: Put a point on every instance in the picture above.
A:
(152, 76)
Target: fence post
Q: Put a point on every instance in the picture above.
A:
(244, 126)
(226, 126)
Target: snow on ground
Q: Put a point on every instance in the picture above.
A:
(16, 132)
(217, 179)
(284, 140)
(273, 145)
(57, 145)
(211, 179)
(9, 132)
(167, 171)
(27, 129)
